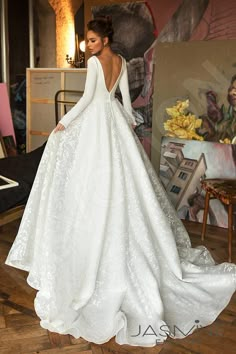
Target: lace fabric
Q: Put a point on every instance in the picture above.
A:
(101, 241)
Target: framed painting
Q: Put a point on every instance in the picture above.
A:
(183, 164)
(199, 72)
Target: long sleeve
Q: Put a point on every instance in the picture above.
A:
(124, 89)
(90, 84)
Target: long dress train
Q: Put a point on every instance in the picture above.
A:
(101, 241)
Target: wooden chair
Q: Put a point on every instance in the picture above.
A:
(225, 191)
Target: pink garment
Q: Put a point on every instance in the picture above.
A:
(6, 123)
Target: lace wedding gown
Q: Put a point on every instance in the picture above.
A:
(101, 242)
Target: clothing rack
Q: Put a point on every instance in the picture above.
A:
(60, 99)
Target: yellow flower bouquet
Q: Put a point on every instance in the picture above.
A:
(182, 125)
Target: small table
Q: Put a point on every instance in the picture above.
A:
(225, 191)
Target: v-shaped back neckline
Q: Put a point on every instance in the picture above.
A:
(121, 69)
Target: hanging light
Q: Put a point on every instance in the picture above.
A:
(82, 46)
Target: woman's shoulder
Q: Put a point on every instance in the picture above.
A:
(123, 60)
(92, 59)
(119, 56)
(92, 62)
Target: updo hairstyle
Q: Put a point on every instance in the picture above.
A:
(102, 25)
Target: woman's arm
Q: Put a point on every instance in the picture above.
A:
(91, 80)
(124, 89)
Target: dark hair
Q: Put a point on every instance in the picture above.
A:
(102, 25)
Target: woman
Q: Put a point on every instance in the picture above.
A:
(99, 238)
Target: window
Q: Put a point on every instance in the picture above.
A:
(188, 163)
(175, 189)
(183, 175)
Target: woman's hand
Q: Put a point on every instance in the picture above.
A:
(59, 127)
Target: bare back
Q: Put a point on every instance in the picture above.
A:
(111, 65)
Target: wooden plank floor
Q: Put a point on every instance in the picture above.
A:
(20, 332)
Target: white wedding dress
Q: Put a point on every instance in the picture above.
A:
(102, 243)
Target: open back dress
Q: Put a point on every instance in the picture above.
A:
(101, 241)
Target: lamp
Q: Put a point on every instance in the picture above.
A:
(82, 46)
(75, 63)
(79, 54)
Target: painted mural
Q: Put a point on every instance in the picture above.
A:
(157, 21)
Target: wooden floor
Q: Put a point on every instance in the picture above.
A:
(20, 332)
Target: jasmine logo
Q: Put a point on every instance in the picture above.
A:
(165, 331)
